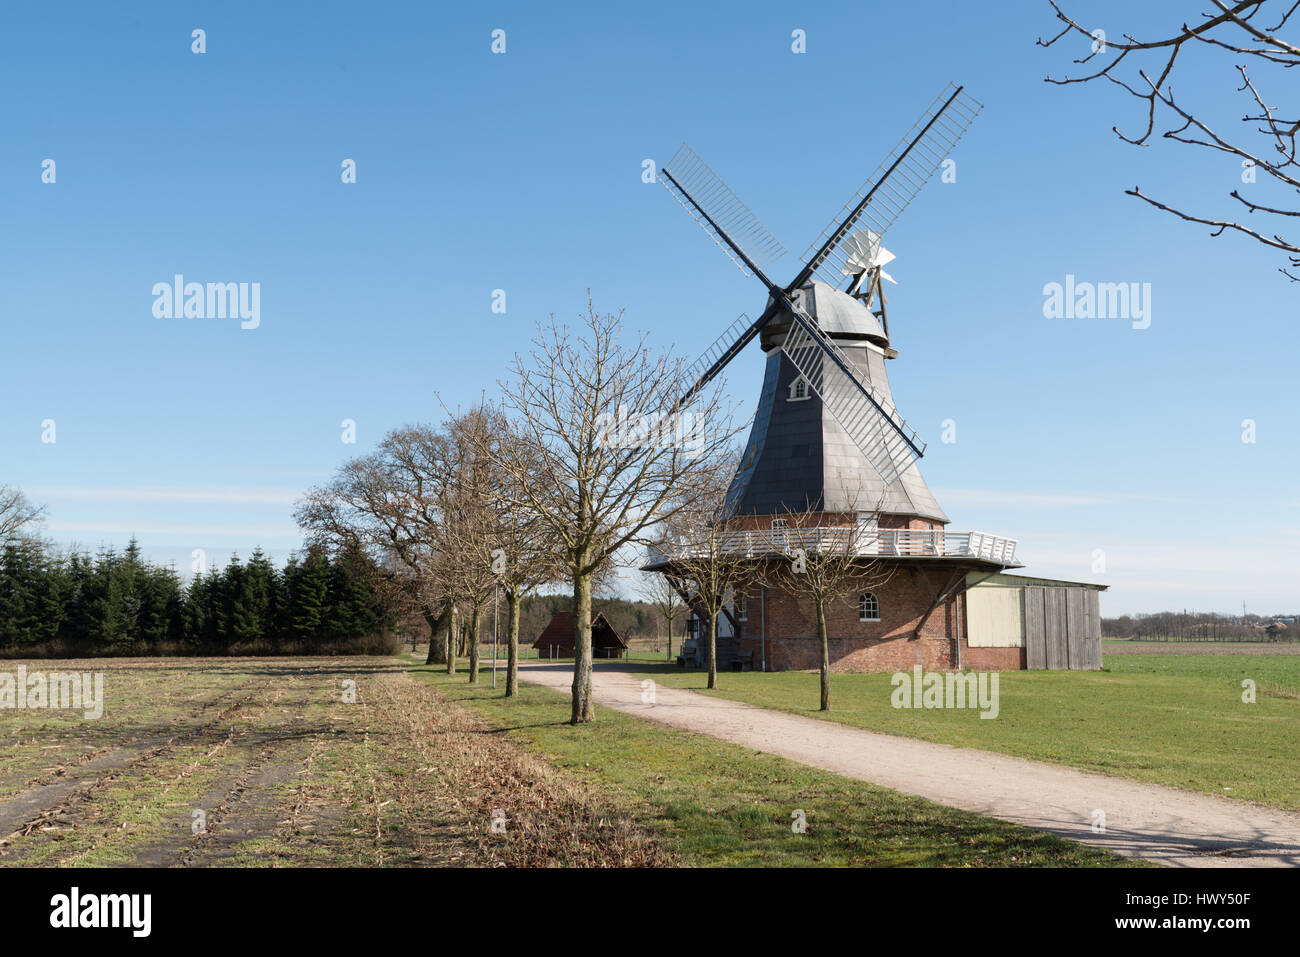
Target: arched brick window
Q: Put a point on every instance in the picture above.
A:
(868, 607)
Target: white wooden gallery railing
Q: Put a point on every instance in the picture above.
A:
(884, 542)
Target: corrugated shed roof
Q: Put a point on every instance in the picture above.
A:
(1019, 581)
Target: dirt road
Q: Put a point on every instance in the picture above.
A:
(1159, 824)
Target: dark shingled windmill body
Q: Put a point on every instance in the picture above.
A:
(827, 439)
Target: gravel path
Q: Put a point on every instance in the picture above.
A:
(1159, 824)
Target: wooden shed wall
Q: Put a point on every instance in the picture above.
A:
(1062, 628)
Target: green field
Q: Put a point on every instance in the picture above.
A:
(1176, 720)
(710, 802)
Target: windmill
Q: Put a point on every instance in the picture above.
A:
(827, 440)
(814, 329)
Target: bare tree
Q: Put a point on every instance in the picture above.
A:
(1267, 144)
(387, 504)
(522, 553)
(400, 588)
(597, 414)
(499, 542)
(830, 560)
(710, 559)
(660, 592)
(18, 516)
(469, 519)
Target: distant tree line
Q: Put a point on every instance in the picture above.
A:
(1198, 626)
(120, 604)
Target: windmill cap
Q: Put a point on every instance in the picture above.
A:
(838, 314)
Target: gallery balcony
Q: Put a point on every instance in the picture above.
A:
(931, 544)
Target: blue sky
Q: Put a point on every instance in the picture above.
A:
(522, 172)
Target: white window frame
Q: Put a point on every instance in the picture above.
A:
(799, 390)
(862, 606)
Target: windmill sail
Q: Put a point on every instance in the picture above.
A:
(894, 184)
(865, 413)
(720, 212)
(724, 348)
(868, 417)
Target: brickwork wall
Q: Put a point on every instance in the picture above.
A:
(891, 644)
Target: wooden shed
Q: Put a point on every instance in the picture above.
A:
(1056, 624)
(556, 639)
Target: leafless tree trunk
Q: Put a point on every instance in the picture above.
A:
(436, 628)
(825, 644)
(584, 708)
(514, 602)
(453, 641)
(475, 620)
(711, 650)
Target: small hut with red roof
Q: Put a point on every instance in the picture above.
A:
(556, 639)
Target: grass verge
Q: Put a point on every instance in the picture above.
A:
(1176, 720)
(718, 804)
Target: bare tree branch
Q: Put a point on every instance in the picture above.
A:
(18, 516)
(1228, 28)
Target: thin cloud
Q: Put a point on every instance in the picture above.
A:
(194, 494)
(253, 533)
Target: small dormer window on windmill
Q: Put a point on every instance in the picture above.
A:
(798, 389)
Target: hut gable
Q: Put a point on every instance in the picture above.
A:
(557, 637)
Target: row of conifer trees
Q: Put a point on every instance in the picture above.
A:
(118, 603)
